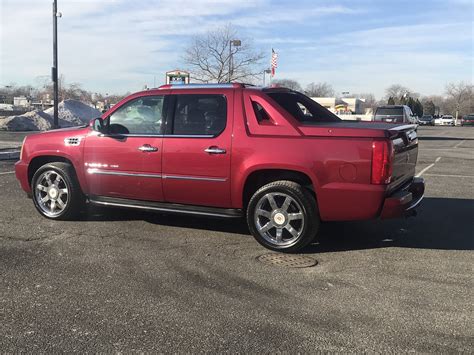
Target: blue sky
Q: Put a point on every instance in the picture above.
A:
(361, 46)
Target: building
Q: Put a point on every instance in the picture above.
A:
(345, 105)
(21, 101)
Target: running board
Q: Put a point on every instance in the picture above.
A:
(166, 207)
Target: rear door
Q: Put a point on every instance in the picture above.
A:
(125, 162)
(196, 149)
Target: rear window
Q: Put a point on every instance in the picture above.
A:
(302, 107)
(389, 114)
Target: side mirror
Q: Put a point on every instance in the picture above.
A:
(97, 124)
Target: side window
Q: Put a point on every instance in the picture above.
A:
(140, 116)
(200, 115)
(260, 113)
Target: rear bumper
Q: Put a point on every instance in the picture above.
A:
(404, 201)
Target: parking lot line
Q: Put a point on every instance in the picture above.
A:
(7, 172)
(425, 169)
(461, 142)
(450, 175)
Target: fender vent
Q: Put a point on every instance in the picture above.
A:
(72, 141)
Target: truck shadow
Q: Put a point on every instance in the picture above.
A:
(441, 223)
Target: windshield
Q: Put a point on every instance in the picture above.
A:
(302, 107)
(426, 118)
(469, 118)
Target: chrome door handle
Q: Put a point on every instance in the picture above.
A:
(147, 148)
(215, 150)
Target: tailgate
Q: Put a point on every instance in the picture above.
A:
(405, 143)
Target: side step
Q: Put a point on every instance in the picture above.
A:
(166, 207)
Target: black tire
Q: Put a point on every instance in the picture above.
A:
(260, 215)
(68, 192)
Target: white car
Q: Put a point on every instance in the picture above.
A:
(445, 120)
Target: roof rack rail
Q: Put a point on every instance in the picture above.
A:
(200, 86)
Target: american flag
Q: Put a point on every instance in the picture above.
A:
(274, 63)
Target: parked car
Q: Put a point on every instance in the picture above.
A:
(394, 114)
(445, 120)
(468, 120)
(227, 150)
(426, 120)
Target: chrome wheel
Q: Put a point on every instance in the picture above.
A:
(279, 219)
(51, 193)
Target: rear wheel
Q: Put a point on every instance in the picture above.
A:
(283, 216)
(56, 191)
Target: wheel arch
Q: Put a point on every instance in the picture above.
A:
(260, 177)
(40, 160)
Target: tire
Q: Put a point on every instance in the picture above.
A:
(283, 216)
(56, 191)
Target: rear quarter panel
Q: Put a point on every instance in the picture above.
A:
(339, 168)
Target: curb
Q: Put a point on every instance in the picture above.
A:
(10, 155)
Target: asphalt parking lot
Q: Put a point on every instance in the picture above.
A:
(123, 281)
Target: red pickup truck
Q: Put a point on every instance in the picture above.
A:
(272, 155)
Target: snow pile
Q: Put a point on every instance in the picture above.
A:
(71, 113)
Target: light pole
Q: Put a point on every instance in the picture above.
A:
(266, 71)
(54, 69)
(235, 43)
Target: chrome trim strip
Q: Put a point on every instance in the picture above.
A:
(189, 136)
(163, 209)
(96, 171)
(158, 135)
(200, 178)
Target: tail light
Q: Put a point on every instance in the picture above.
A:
(382, 158)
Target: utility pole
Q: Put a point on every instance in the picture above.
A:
(54, 69)
(235, 43)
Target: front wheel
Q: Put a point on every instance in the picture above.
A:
(56, 191)
(283, 216)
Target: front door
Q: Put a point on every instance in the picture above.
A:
(125, 161)
(196, 150)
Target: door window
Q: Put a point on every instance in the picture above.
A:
(200, 115)
(144, 115)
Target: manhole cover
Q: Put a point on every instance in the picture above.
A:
(288, 260)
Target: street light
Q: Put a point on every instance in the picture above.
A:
(54, 69)
(266, 71)
(235, 43)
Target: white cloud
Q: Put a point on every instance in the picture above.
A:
(119, 45)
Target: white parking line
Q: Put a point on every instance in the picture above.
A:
(424, 170)
(449, 175)
(461, 142)
(428, 167)
(7, 172)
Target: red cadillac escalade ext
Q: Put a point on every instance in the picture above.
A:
(272, 155)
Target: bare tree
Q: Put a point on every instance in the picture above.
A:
(320, 90)
(288, 83)
(397, 91)
(459, 98)
(208, 57)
